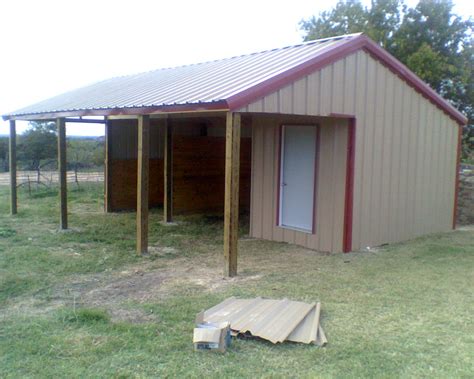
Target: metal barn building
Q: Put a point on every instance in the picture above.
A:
(331, 144)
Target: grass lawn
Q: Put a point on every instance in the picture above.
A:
(82, 304)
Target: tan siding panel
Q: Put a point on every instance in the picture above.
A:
(256, 184)
(325, 90)
(337, 95)
(313, 93)
(326, 169)
(387, 145)
(436, 173)
(395, 162)
(277, 231)
(256, 106)
(350, 93)
(378, 153)
(368, 135)
(414, 146)
(419, 147)
(443, 173)
(286, 100)
(268, 181)
(270, 103)
(299, 96)
(361, 85)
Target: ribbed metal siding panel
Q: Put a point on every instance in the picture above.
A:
(405, 148)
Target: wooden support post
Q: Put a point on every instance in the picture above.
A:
(107, 170)
(142, 183)
(61, 125)
(168, 173)
(12, 162)
(231, 202)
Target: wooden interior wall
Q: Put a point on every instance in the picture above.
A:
(123, 184)
(123, 165)
(198, 166)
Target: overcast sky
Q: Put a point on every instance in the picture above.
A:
(49, 46)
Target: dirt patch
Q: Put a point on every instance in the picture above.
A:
(133, 315)
(139, 287)
(121, 292)
(142, 284)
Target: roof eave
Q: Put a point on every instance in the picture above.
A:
(220, 105)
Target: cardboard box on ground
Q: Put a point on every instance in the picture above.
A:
(211, 335)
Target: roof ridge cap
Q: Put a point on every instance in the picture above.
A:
(304, 43)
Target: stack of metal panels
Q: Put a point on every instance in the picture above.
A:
(273, 320)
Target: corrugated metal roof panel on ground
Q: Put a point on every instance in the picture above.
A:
(282, 324)
(258, 316)
(230, 310)
(307, 329)
(273, 320)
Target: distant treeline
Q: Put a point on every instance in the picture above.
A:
(37, 150)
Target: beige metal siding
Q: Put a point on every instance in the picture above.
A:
(405, 153)
(330, 184)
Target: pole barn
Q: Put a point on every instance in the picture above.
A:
(332, 144)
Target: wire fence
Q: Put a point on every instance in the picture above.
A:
(47, 178)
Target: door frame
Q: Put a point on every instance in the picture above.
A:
(280, 140)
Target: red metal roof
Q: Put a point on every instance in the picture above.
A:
(223, 84)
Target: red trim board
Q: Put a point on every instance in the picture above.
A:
(349, 198)
(279, 138)
(316, 175)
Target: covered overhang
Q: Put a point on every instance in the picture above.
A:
(143, 115)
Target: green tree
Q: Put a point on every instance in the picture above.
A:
(85, 153)
(430, 39)
(4, 154)
(379, 21)
(37, 147)
(346, 17)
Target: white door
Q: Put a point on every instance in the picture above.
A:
(297, 181)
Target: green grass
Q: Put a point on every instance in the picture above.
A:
(82, 304)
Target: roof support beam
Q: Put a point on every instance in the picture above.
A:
(86, 121)
(168, 173)
(61, 126)
(12, 163)
(231, 201)
(107, 169)
(142, 183)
